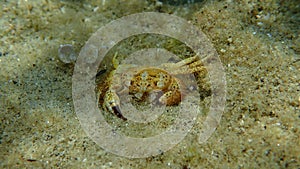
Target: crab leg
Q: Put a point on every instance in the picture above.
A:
(186, 66)
(186, 61)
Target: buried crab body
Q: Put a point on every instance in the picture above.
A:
(159, 82)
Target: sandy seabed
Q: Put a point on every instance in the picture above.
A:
(257, 41)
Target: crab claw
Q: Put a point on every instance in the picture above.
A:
(112, 102)
(118, 113)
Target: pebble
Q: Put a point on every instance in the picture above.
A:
(66, 53)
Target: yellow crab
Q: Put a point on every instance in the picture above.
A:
(142, 81)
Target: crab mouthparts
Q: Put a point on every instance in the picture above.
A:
(117, 112)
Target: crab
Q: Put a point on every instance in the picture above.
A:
(158, 84)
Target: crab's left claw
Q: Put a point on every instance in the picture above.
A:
(112, 103)
(174, 94)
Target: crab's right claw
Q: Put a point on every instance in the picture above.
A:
(117, 112)
(112, 102)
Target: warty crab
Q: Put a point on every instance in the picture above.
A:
(157, 83)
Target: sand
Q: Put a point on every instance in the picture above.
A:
(257, 42)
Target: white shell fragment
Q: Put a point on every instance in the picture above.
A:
(66, 53)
